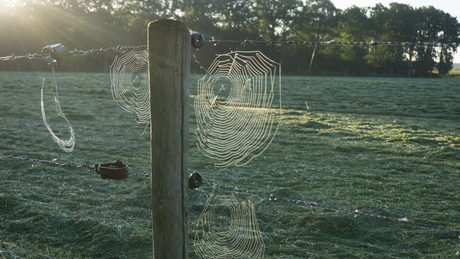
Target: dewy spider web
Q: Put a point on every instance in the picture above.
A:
(130, 84)
(66, 145)
(228, 229)
(233, 107)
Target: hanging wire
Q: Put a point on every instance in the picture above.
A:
(198, 39)
(53, 162)
(122, 48)
(4, 244)
(43, 55)
(333, 42)
(273, 197)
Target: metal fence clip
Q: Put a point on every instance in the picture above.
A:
(54, 54)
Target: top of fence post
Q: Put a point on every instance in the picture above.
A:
(169, 50)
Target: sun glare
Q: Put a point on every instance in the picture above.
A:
(8, 3)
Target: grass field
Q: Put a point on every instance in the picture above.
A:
(383, 145)
(454, 74)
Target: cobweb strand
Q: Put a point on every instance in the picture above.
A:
(236, 107)
(228, 229)
(130, 84)
(66, 145)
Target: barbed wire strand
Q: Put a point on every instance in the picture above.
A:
(24, 250)
(73, 53)
(51, 162)
(270, 197)
(28, 159)
(124, 48)
(273, 197)
(332, 42)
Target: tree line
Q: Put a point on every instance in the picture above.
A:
(86, 24)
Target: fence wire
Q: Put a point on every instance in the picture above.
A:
(43, 55)
(5, 244)
(332, 42)
(28, 159)
(271, 197)
(51, 162)
(123, 48)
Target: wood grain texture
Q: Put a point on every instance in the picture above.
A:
(169, 75)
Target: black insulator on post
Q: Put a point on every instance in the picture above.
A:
(195, 180)
(197, 39)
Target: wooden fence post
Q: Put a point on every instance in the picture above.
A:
(169, 46)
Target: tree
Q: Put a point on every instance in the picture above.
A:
(450, 32)
(235, 18)
(401, 27)
(87, 24)
(275, 17)
(274, 22)
(313, 22)
(323, 20)
(198, 14)
(355, 27)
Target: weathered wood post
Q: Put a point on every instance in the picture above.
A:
(169, 76)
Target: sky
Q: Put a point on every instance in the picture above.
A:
(451, 7)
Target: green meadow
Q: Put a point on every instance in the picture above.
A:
(389, 146)
(454, 74)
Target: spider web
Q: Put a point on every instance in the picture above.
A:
(228, 229)
(66, 145)
(130, 84)
(233, 107)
